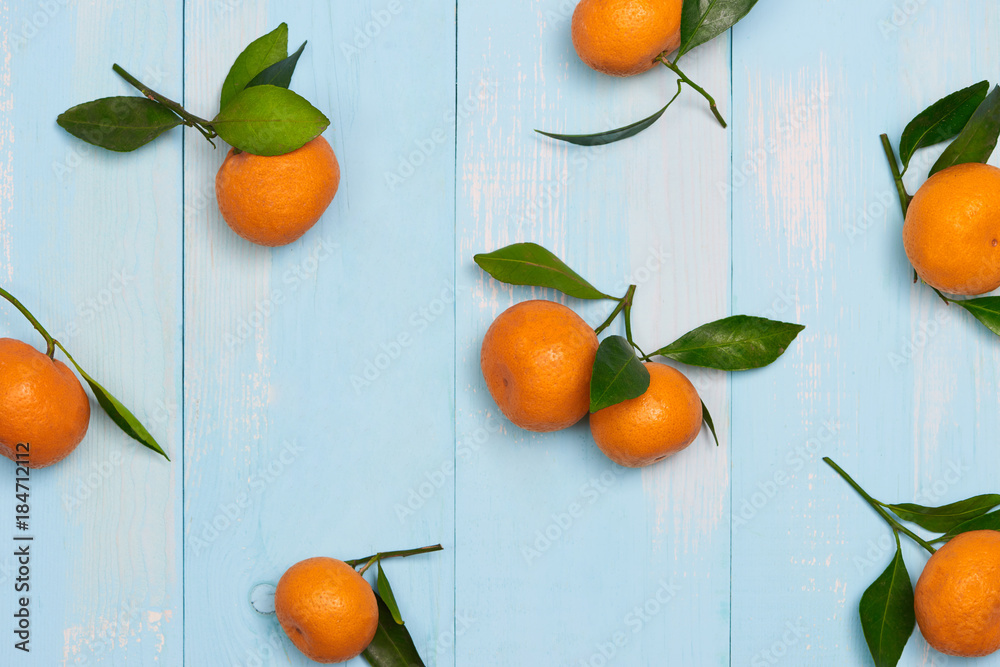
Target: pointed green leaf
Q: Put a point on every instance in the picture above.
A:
(707, 418)
(976, 141)
(531, 264)
(989, 521)
(944, 518)
(618, 374)
(118, 123)
(704, 20)
(119, 414)
(280, 73)
(610, 136)
(941, 121)
(385, 591)
(887, 615)
(392, 645)
(736, 343)
(985, 309)
(268, 120)
(258, 56)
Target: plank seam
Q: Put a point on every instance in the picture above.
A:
(732, 305)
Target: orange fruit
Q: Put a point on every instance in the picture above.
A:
(327, 609)
(537, 358)
(623, 37)
(660, 423)
(42, 404)
(952, 230)
(273, 200)
(958, 596)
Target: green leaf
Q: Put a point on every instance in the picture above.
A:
(704, 20)
(280, 73)
(944, 518)
(610, 136)
(618, 374)
(119, 414)
(268, 120)
(707, 417)
(985, 309)
(989, 521)
(736, 343)
(941, 121)
(531, 264)
(258, 56)
(887, 615)
(976, 141)
(392, 645)
(118, 123)
(385, 591)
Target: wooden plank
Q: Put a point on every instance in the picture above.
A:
(90, 242)
(901, 406)
(547, 585)
(320, 375)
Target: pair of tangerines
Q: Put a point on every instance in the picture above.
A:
(537, 358)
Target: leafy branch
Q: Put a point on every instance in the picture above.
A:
(886, 608)
(257, 112)
(970, 117)
(119, 414)
(734, 343)
(701, 21)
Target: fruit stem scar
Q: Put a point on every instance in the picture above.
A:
(200, 124)
(890, 154)
(50, 342)
(879, 507)
(683, 77)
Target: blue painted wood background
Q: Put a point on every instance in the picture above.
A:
(325, 398)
